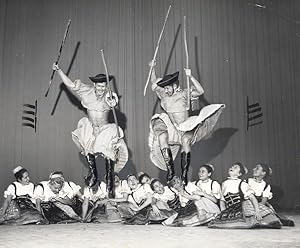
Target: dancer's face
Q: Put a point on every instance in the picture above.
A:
(177, 183)
(169, 89)
(25, 178)
(203, 174)
(132, 182)
(158, 188)
(258, 171)
(56, 185)
(234, 171)
(101, 88)
(146, 180)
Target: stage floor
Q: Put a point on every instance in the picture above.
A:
(123, 236)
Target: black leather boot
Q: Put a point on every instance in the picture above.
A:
(185, 164)
(92, 177)
(167, 155)
(110, 185)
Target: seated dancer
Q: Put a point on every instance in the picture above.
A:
(94, 135)
(174, 128)
(165, 202)
(208, 189)
(239, 206)
(19, 205)
(74, 193)
(93, 206)
(157, 210)
(145, 180)
(121, 191)
(53, 199)
(188, 213)
(262, 189)
(138, 199)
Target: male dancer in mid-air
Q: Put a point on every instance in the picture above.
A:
(94, 134)
(175, 128)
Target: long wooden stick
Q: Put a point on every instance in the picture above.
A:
(187, 61)
(59, 54)
(156, 50)
(109, 92)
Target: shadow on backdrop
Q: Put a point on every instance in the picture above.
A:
(63, 87)
(207, 149)
(278, 194)
(202, 101)
(167, 64)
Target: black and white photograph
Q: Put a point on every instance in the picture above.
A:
(149, 123)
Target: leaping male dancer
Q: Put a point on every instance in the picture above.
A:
(94, 135)
(175, 128)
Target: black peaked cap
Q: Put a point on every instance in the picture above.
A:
(168, 79)
(100, 78)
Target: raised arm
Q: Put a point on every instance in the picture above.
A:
(67, 81)
(153, 77)
(158, 90)
(197, 86)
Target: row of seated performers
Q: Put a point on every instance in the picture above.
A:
(236, 203)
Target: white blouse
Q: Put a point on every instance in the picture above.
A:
(137, 195)
(210, 187)
(71, 188)
(147, 188)
(168, 195)
(260, 188)
(45, 193)
(18, 189)
(232, 186)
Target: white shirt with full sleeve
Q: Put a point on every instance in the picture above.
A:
(260, 188)
(71, 189)
(43, 192)
(168, 195)
(18, 189)
(232, 186)
(138, 195)
(210, 187)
